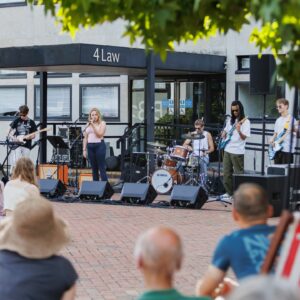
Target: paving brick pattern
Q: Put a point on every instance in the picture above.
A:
(103, 238)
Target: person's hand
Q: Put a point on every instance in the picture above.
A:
(84, 153)
(225, 287)
(238, 127)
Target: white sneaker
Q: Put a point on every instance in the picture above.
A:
(225, 196)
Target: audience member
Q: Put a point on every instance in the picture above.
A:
(23, 180)
(263, 287)
(29, 241)
(243, 250)
(158, 254)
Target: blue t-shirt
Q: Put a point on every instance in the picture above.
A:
(34, 279)
(243, 250)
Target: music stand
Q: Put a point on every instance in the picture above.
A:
(57, 143)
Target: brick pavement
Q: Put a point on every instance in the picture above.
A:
(103, 238)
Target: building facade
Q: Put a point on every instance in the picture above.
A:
(181, 95)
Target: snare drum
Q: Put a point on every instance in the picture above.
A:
(169, 163)
(163, 180)
(180, 153)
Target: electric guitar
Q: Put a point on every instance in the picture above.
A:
(21, 139)
(224, 141)
(277, 145)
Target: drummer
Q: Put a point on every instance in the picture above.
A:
(200, 144)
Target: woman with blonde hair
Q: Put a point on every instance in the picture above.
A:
(93, 144)
(23, 180)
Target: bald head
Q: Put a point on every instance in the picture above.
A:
(250, 201)
(159, 250)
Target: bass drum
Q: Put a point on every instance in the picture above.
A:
(163, 180)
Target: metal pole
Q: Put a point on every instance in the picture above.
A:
(263, 137)
(43, 116)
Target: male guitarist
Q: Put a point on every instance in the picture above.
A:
(282, 133)
(236, 131)
(22, 126)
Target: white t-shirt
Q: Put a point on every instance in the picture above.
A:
(236, 145)
(201, 144)
(15, 191)
(279, 127)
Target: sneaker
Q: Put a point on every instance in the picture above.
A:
(225, 196)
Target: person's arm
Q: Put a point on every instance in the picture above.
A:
(99, 130)
(187, 145)
(210, 281)
(70, 293)
(238, 128)
(84, 143)
(211, 146)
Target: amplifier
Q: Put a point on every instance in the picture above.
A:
(84, 177)
(49, 171)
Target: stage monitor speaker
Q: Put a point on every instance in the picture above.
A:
(275, 186)
(51, 188)
(262, 75)
(188, 196)
(95, 190)
(138, 193)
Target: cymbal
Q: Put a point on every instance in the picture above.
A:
(159, 151)
(189, 136)
(156, 144)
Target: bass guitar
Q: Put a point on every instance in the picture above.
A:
(223, 142)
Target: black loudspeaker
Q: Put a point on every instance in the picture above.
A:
(138, 193)
(95, 190)
(275, 186)
(262, 75)
(51, 188)
(188, 196)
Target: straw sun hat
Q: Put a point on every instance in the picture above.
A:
(33, 231)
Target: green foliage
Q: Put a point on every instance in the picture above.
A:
(160, 23)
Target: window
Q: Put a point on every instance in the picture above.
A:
(12, 74)
(12, 2)
(59, 102)
(11, 98)
(253, 104)
(104, 97)
(243, 64)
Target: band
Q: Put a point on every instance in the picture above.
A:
(176, 164)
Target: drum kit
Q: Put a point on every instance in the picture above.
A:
(175, 165)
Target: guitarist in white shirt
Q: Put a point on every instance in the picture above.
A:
(283, 125)
(237, 129)
(22, 126)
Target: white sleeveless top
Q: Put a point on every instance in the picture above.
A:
(201, 144)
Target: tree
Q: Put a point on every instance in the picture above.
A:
(160, 23)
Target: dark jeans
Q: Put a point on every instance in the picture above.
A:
(96, 155)
(283, 158)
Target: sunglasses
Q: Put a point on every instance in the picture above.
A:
(235, 110)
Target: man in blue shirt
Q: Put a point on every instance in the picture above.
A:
(245, 249)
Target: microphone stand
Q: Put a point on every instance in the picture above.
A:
(76, 190)
(217, 183)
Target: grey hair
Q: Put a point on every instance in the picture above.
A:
(262, 287)
(157, 257)
(251, 201)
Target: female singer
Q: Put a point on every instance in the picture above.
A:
(93, 144)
